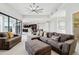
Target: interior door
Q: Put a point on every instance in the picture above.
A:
(76, 24)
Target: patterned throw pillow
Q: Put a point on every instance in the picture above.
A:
(56, 38)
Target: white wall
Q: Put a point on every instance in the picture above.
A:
(58, 21)
(70, 9)
(10, 11)
(35, 19)
(44, 26)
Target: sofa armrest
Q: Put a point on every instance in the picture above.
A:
(3, 38)
(14, 38)
(69, 41)
(72, 46)
(2, 42)
(69, 46)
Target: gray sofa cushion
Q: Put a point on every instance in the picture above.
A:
(65, 37)
(3, 34)
(54, 33)
(30, 51)
(44, 39)
(54, 44)
(65, 48)
(37, 47)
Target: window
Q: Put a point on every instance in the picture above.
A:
(1, 23)
(9, 24)
(61, 25)
(5, 23)
(18, 27)
(12, 26)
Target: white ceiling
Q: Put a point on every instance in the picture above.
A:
(21, 8)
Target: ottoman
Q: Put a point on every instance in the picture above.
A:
(36, 47)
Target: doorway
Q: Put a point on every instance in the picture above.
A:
(76, 25)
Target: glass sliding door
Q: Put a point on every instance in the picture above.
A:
(3, 23)
(18, 27)
(15, 26)
(12, 25)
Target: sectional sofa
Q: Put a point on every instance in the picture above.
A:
(60, 43)
(7, 43)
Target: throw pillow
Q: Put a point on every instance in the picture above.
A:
(45, 34)
(37, 33)
(10, 35)
(56, 38)
(64, 38)
(41, 33)
(49, 35)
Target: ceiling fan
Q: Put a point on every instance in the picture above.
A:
(35, 8)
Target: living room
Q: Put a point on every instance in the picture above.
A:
(34, 24)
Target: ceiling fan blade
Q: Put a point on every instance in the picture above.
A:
(28, 9)
(36, 12)
(31, 6)
(36, 7)
(40, 9)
